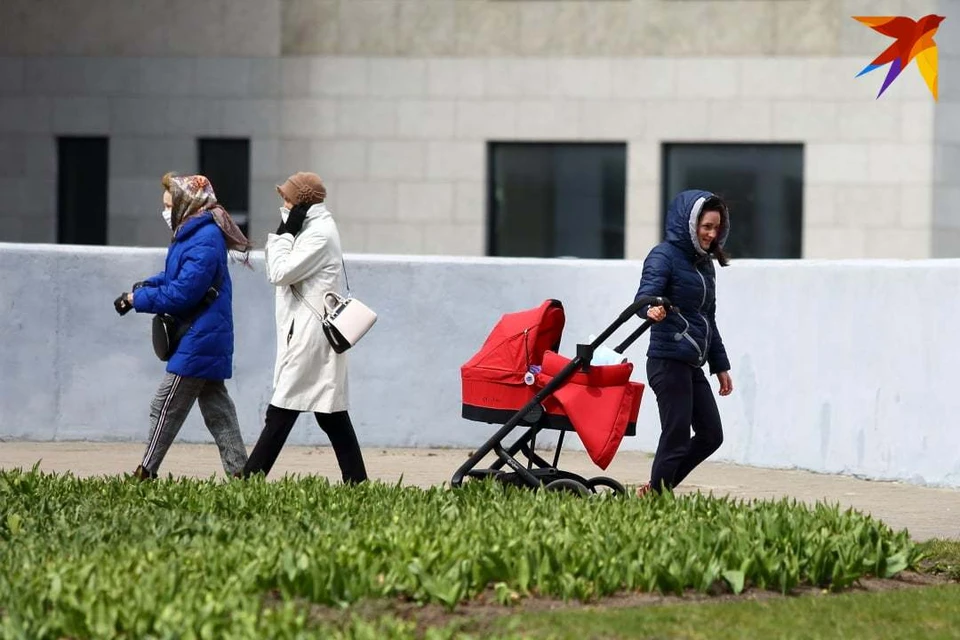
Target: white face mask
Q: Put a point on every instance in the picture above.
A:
(167, 217)
(284, 214)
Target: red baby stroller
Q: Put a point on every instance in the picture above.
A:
(518, 378)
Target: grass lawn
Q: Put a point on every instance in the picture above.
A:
(301, 558)
(921, 613)
(923, 605)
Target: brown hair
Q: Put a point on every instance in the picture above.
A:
(714, 203)
(167, 180)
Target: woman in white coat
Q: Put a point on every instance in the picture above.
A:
(304, 262)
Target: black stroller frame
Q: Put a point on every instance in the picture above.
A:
(538, 472)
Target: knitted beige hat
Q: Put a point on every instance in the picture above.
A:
(303, 188)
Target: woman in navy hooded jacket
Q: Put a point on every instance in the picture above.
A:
(203, 233)
(686, 338)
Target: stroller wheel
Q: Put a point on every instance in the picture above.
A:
(568, 484)
(600, 483)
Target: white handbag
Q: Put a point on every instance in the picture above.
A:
(346, 320)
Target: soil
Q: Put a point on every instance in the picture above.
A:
(481, 613)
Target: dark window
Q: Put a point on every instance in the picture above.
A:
(761, 183)
(82, 174)
(226, 163)
(553, 200)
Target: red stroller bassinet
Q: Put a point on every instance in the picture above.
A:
(518, 379)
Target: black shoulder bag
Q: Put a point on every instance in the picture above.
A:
(168, 330)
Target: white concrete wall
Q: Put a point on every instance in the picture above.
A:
(839, 367)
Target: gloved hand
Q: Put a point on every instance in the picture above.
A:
(282, 229)
(121, 304)
(298, 214)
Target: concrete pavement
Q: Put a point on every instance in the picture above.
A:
(926, 512)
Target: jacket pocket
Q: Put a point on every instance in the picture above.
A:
(285, 355)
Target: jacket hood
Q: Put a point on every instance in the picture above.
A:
(682, 221)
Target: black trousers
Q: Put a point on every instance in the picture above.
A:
(338, 428)
(685, 399)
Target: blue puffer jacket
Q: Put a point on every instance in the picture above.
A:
(197, 255)
(680, 270)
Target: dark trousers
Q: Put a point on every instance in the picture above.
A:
(685, 399)
(338, 428)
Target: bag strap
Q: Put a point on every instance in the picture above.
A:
(207, 300)
(345, 278)
(321, 317)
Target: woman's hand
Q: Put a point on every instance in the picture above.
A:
(726, 383)
(123, 304)
(298, 214)
(656, 313)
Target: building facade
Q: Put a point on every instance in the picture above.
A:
(483, 127)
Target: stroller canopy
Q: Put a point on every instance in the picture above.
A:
(519, 340)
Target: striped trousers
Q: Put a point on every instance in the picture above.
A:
(170, 407)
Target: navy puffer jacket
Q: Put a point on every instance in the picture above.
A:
(680, 270)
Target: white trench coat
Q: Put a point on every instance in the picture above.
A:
(309, 375)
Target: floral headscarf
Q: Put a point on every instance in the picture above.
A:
(192, 196)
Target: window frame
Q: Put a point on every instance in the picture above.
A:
(490, 227)
(248, 142)
(67, 233)
(666, 194)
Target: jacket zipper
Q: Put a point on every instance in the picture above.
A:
(706, 345)
(690, 339)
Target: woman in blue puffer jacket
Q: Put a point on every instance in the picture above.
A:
(683, 340)
(203, 233)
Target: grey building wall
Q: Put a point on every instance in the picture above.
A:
(139, 72)
(565, 27)
(946, 192)
(393, 102)
(437, 28)
(140, 28)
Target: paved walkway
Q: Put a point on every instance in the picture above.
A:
(926, 512)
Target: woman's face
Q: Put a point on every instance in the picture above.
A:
(709, 229)
(287, 203)
(167, 200)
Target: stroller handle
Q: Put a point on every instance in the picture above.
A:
(653, 301)
(640, 303)
(586, 351)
